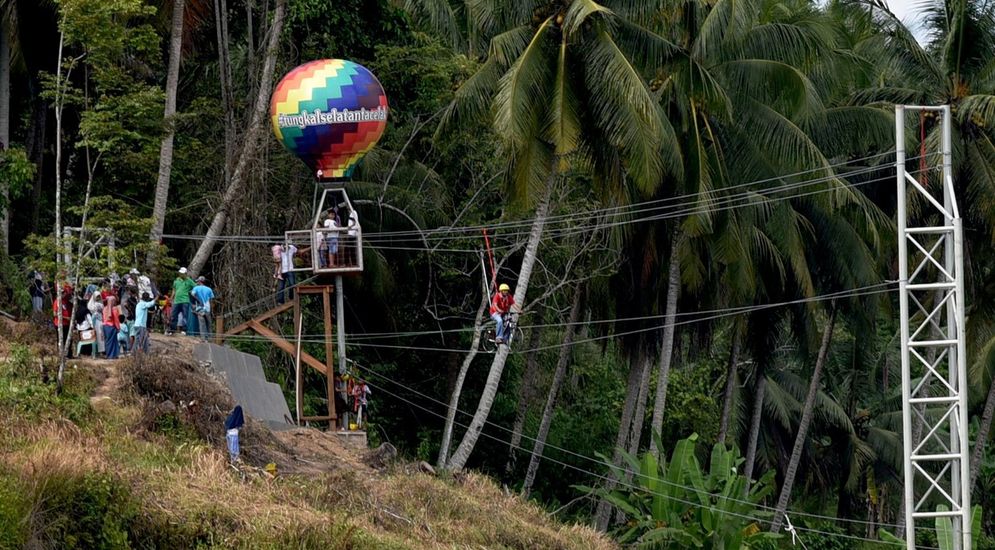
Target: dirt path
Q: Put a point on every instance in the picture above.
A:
(110, 372)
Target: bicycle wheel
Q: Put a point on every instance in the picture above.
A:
(487, 342)
(517, 335)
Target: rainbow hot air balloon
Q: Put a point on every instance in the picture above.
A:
(329, 113)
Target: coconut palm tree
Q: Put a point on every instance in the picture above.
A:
(562, 81)
(955, 67)
(735, 130)
(166, 148)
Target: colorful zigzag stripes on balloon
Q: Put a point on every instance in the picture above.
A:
(329, 113)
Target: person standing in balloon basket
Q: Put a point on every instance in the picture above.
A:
(332, 237)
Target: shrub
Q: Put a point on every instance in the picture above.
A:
(680, 505)
(90, 510)
(14, 508)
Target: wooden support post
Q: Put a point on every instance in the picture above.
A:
(326, 368)
(326, 302)
(298, 372)
(275, 311)
(219, 329)
(286, 346)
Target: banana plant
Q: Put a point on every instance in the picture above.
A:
(944, 530)
(681, 505)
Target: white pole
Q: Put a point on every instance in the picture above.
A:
(958, 379)
(340, 322)
(962, 481)
(903, 275)
(953, 325)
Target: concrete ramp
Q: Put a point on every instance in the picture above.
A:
(243, 372)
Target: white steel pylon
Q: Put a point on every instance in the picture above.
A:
(934, 360)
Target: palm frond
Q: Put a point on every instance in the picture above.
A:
(578, 13)
(438, 16)
(564, 126)
(853, 130)
(774, 84)
(978, 165)
(622, 106)
(978, 109)
(780, 404)
(982, 369)
(787, 43)
(520, 99)
(727, 22)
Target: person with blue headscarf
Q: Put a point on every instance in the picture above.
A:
(233, 424)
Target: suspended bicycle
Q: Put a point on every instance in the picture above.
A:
(488, 337)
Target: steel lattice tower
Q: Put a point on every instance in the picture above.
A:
(934, 360)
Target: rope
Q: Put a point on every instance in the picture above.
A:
(490, 255)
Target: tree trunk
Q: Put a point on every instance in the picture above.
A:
(803, 424)
(36, 148)
(4, 131)
(639, 415)
(166, 147)
(554, 390)
(667, 350)
(526, 394)
(250, 50)
(447, 431)
(758, 408)
(224, 73)
(636, 430)
(983, 429)
(639, 366)
(459, 458)
(730, 389)
(251, 143)
(60, 278)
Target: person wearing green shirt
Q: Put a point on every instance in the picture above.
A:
(180, 299)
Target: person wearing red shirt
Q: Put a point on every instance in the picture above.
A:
(112, 324)
(62, 308)
(500, 307)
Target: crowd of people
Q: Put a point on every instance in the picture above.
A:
(115, 315)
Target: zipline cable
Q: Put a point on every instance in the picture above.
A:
(632, 486)
(552, 219)
(553, 234)
(860, 291)
(612, 466)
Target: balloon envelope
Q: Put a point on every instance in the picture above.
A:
(329, 113)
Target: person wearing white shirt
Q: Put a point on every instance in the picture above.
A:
(288, 279)
(352, 246)
(331, 237)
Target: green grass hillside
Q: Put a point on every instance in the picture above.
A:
(106, 465)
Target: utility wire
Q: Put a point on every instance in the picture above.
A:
(612, 466)
(554, 233)
(856, 292)
(616, 210)
(632, 486)
(860, 291)
(733, 310)
(708, 192)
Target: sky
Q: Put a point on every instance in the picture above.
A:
(908, 12)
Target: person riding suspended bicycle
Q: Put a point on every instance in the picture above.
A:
(501, 305)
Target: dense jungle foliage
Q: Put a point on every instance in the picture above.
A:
(692, 200)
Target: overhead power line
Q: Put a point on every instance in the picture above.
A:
(640, 488)
(682, 202)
